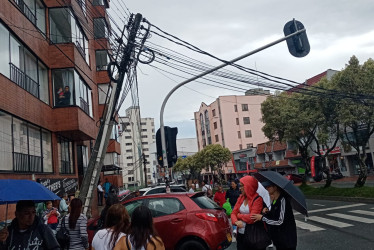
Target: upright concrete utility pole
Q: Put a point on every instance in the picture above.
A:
(98, 153)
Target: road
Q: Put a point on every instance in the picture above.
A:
(335, 225)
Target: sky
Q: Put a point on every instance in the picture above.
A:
(336, 29)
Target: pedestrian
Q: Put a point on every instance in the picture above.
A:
(205, 187)
(232, 194)
(40, 208)
(64, 207)
(248, 203)
(100, 194)
(51, 215)
(117, 225)
(106, 188)
(143, 235)
(220, 196)
(196, 184)
(280, 219)
(111, 200)
(192, 188)
(76, 223)
(27, 231)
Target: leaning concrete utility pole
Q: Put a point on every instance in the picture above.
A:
(92, 175)
(292, 29)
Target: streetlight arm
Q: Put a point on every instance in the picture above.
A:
(163, 141)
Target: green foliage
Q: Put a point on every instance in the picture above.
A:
(214, 156)
(367, 192)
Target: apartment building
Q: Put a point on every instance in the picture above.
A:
(54, 83)
(232, 121)
(136, 136)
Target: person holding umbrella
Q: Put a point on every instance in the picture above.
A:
(280, 219)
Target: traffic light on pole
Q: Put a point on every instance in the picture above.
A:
(298, 45)
(171, 146)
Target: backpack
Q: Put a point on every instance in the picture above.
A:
(62, 235)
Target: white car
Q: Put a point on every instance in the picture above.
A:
(161, 189)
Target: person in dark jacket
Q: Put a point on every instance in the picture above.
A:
(27, 231)
(233, 193)
(280, 219)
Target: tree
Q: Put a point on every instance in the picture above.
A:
(288, 118)
(356, 114)
(214, 156)
(191, 165)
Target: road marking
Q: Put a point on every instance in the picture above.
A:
(350, 217)
(307, 226)
(332, 208)
(362, 212)
(329, 222)
(320, 205)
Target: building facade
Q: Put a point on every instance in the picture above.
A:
(53, 78)
(231, 121)
(136, 136)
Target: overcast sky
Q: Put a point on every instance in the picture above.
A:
(337, 29)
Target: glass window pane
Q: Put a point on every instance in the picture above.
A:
(43, 83)
(63, 84)
(60, 25)
(47, 151)
(20, 136)
(40, 16)
(102, 60)
(4, 51)
(6, 142)
(34, 141)
(31, 68)
(99, 28)
(16, 53)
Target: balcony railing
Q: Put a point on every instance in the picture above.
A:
(84, 105)
(80, 49)
(26, 10)
(27, 163)
(23, 80)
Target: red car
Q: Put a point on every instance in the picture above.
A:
(184, 220)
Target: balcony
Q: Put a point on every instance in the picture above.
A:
(25, 10)
(24, 81)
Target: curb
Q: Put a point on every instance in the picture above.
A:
(341, 198)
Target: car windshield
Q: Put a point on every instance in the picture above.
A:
(205, 203)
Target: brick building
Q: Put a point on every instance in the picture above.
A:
(53, 84)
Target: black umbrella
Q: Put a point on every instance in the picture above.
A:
(296, 197)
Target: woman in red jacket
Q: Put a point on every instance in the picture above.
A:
(219, 196)
(248, 204)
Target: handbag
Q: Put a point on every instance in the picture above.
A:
(62, 236)
(255, 235)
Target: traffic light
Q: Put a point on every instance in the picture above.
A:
(171, 145)
(298, 45)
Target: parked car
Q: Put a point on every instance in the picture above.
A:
(296, 178)
(161, 189)
(184, 220)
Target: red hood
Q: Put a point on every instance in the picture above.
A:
(250, 186)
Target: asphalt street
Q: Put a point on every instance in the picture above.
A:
(335, 225)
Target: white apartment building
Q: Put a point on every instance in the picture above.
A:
(136, 134)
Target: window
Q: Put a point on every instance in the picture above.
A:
(130, 179)
(237, 121)
(130, 171)
(98, 2)
(128, 144)
(240, 146)
(206, 114)
(115, 133)
(144, 136)
(145, 149)
(127, 137)
(214, 112)
(100, 28)
(202, 124)
(65, 156)
(209, 140)
(34, 10)
(248, 133)
(129, 157)
(216, 138)
(6, 155)
(148, 170)
(244, 107)
(144, 130)
(82, 155)
(164, 206)
(104, 91)
(145, 143)
(249, 145)
(215, 125)
(68, 83)
(128, 150)
(102, 60)
(130, 207)
(130, 164)
(246, 120)
(22, 67)
(149, 177)
(65, 29)
(143, 123)
(32, 149)
(239, 135)
(235, 108)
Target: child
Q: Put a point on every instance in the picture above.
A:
(51, 216)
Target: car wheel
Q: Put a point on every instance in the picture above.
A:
(191, 245)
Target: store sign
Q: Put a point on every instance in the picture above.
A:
(336, 150)
(61, 186)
